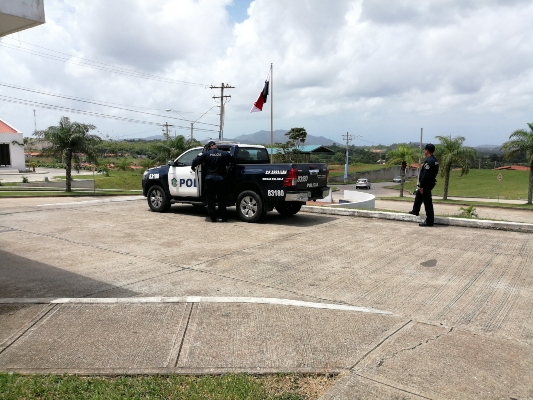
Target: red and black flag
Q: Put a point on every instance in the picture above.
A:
(261, 100)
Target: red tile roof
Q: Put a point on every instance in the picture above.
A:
(513, 167)
(6, 128)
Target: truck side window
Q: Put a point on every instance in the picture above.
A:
(186, 158)
(251, 155)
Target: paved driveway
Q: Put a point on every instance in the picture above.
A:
(437, 313)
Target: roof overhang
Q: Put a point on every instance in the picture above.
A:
(19, 15)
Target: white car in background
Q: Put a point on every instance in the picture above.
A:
(362, 183)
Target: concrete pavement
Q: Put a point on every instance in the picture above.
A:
(399, 311)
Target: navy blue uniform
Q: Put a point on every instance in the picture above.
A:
(215, 164)
(427, 180)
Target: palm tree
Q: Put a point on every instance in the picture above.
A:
(123, 164)
(170, 148)
(521, 141)
(68, 139)
(451, 152)
(403, 155)
(146, 163)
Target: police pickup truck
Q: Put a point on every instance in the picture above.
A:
(254, 185)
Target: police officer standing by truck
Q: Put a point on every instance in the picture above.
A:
(215, 163)
(426, 182)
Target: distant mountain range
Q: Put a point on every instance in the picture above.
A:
(263, 137)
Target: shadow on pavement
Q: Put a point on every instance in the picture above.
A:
(273, 217)
(21, 277)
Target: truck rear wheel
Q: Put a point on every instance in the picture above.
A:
(288, 208)
(249, 206)
(157, 199)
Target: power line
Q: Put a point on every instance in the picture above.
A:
(89, 113)
(99, 65)
(92, 102)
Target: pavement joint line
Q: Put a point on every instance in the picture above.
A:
(383, 340)
(34, 321)
(198, 299)
(423, 342)
(184, 334)
(393, 386)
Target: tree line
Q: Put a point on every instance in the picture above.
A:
(71, 139)
(451, 153)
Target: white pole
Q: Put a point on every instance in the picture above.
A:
(271, 114)
(420, 155)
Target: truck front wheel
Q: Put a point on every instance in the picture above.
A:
(157, 199)
(249, 206)
(288, 208)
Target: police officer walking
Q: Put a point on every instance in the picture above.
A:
(215, 163)
(426, 182)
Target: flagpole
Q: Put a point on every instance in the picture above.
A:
(271, 115)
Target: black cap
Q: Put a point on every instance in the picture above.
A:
(430, 147)
(211, 143)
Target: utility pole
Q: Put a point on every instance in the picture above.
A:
(221, 97)
(348, 139)
(165, 131)
(35, 121)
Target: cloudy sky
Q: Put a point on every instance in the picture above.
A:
(378, 69)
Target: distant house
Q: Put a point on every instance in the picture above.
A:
(11, 147)
(513, 168)
(412, 170)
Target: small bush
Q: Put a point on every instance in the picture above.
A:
(468, 212)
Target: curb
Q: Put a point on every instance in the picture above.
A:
(447, 221)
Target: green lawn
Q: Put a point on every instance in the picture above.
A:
(232, 386)
(126, 180)
(482, 183)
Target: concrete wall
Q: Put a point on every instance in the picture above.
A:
(357, 199)
(16, 152)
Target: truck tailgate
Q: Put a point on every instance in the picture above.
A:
(311, 176)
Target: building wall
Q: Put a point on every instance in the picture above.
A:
(16, 151)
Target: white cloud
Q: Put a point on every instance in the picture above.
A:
(382, 68)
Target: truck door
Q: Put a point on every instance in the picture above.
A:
(182, 181)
